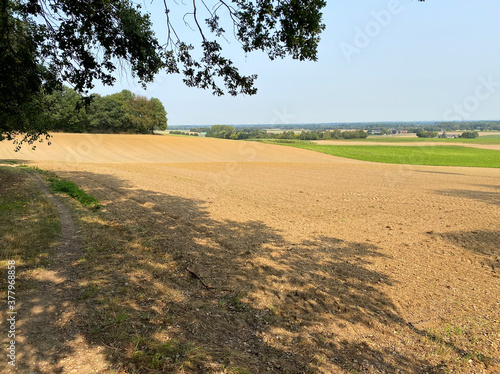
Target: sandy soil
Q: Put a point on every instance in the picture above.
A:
(147, 149)
(350, 252)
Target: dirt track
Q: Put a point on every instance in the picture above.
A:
(352, 250)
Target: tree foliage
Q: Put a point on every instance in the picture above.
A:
(45, 43)
(427, 134)
(229, 132)
(220, 131)
(123, 112)
(469, 135)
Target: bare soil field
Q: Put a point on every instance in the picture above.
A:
(85, 148)
(277, 259)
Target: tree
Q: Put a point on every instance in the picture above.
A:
(21, 77)
(469, 134)
(220, 131)
(427, 134)
(45, 43)
(159, 115)
(64, 112)
(120, 112)
(105, 114)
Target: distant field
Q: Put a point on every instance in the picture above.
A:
(435, 155)
(483, 139)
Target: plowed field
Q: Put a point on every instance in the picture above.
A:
(346, 266)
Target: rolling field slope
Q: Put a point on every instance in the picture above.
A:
(264, 258)
(147, 149)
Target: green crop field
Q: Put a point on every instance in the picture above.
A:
(483, 139)
(415, 155)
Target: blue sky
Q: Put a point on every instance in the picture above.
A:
(388, 60)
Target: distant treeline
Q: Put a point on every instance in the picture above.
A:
(230, 132)
(471, 126)
(183, 133)
(383, 127)
(122, 112)
(434, 134)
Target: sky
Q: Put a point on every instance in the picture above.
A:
(387, 60)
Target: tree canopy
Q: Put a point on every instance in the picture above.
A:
(123, 112)
(45, 43)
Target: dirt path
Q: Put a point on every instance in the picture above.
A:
(50, 340)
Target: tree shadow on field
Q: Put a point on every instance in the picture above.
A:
(483, 243)
(437, 172)
(166, 288)
(489, 197)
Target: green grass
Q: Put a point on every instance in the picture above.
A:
(61, 185)
(432, 155)
(483, 139)
(170, 354)
(29, 223)
(71, 189)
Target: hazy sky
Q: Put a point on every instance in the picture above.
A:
(388, 60)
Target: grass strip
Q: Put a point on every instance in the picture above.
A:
(71, 189)
(29, 222)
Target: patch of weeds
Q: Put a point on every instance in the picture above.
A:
(233, 301)
(163, 356)
(450, 331)
(460, 343)
(36, 169)
(7, 204)
(235, 370)
(121, 317)
(89, 292)
(71, 189)
(274, 310)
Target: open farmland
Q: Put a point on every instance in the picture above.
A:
(427, 155)
(240, 257)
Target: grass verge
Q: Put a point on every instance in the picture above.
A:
(29, 229)
(29, 223)
(71, 189)
(65, 186)
(433, 155)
